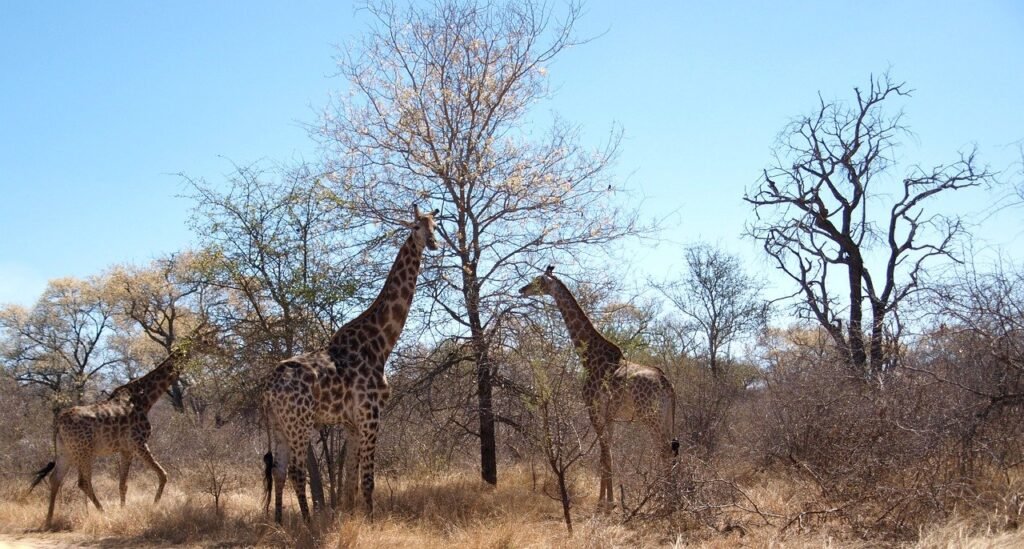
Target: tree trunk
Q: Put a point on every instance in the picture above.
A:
(563, 491)
(488, 445)
(176, 392)
(858, 357)
(877, 329)
(316, 483)
(484, 386)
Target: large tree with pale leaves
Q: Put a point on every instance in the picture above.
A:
(437, 111)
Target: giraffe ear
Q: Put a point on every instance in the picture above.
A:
(415, 211)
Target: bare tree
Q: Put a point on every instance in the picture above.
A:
(438, 112)
(816, 217)
(718, 299)
(982, 315)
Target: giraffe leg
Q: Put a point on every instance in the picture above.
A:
(297, 471)
(282, 455)
(602, 428)
(351, 470)
(147, 457)
(606, 466)
(56, 479)
(124, 463)
(85, 481)
(367, 448)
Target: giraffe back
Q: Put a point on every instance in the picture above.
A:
(103, 428)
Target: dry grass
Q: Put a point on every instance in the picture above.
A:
(444, 510)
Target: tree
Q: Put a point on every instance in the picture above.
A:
(718, 299)
(166, 299)
(816, 217)
(280, 247)
(558, 424)
(282, 250)
(982, 333)
(61, 343)
(438, 113)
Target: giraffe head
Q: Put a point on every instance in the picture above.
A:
(542, 285)
(423, 227)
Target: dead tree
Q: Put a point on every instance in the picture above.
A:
(845, 228)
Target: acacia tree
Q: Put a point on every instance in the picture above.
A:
(437, 112)
(280, 246)
(283, 252)
(61, 343)
(818, 217)
(718, 299)
(166, 300)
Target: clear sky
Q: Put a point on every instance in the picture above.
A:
(101, 103)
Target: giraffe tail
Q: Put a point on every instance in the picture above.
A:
(41, 474)
(268, 479)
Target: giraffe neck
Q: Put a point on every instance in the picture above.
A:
(146, 390)
(596, 352)
(387, 314)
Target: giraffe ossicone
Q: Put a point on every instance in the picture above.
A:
(342, 384)
(613, 388)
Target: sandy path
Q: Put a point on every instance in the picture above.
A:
(51, 541)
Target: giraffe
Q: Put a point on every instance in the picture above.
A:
(118, 425)
(613, 388)
(343, 383)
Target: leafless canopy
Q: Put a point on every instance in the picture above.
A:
(820, 217)
(719, 301)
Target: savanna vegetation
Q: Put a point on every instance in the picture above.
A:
(879, 400)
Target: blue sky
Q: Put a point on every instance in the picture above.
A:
(101, 103)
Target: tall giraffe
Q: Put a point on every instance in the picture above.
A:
(613, 389)
(118, 425)
(343, 383)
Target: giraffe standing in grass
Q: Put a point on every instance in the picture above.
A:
(343, 383)
(118, 425)
(613, 389)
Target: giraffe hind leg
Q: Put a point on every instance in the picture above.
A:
(85, 482)
(279, 473)
(297, 472)
(60, 469)
(123, 466)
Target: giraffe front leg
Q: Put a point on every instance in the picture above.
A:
(607, 495)
(147, 457)
(367, 449)
(350, 486)
(124, 463)
(603, 429)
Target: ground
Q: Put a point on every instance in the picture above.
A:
(447, 510)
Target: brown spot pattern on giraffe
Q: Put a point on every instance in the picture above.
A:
(346, 384)
(613, 388)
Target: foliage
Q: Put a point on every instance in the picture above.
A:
(439, 111)
(62, 342)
